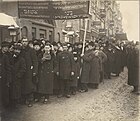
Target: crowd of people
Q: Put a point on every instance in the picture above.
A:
(31, 71)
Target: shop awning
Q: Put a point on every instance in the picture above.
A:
(6, 20)
(121, 36)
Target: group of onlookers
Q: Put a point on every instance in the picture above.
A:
(34, 70)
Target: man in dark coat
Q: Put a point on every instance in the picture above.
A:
(18, 70)
(133, 69)
(65, 70)
(117, 61)
(5, 75)
(109, 63)
(123, 55)
(46, 73)
(28, 87)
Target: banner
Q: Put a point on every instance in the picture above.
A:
(56, 10)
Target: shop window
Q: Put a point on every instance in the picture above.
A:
(42, 33)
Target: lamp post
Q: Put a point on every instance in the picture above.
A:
(12, 30)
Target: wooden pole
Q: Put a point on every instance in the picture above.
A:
(84, 41)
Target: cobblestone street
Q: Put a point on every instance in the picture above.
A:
(113, 101)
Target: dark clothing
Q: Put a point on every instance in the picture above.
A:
(5, 78)
(117, 61)
(123, 57)
(31, 67)
(109, 63)
(46, 75)
(133, 68)
(65, 64)
(76, 76)
(85, 68)
(18, 71)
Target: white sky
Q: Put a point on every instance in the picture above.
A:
(130, 13)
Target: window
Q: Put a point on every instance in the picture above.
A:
(42, 33)
(50, 36)
(33, 33)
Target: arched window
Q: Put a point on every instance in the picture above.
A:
(24, 31)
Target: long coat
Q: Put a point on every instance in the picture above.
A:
(65, 65)
(18, 71)
(31, 61)
(85, 68)
(95, 64)
(74, 81)
(117, 61)
(46, 75)
(109, 62)
(133, 67)
(5, 78)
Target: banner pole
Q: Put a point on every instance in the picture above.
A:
(84, 41)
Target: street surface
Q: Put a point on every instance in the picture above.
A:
(113, 101)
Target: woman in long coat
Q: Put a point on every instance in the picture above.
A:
(46, 73)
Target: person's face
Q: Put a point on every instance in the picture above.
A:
(79, 46)
(86, 48)
(31, 45)
(5, 49)
(37, 47)
(25, 42)
(55, 47)
(17, 51)
(65, 48)
(70, 49)
(90, 47)
(47, 48)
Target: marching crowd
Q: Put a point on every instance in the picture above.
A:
(33, 70)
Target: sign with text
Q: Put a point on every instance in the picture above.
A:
(57, 10)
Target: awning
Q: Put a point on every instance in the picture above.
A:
(6, 20)
(121, 36)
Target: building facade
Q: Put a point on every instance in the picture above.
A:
(105, 20)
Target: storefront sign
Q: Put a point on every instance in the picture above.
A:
(53, 9)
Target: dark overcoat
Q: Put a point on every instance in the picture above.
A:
(18, 71)
(110, 61)
(65, 64)
(76, 76)
(5, 78)
(31, 61)
(86, 68)
(123, 57)
(46, 75)
(117, 61)
(95, 65)
(133, 68)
